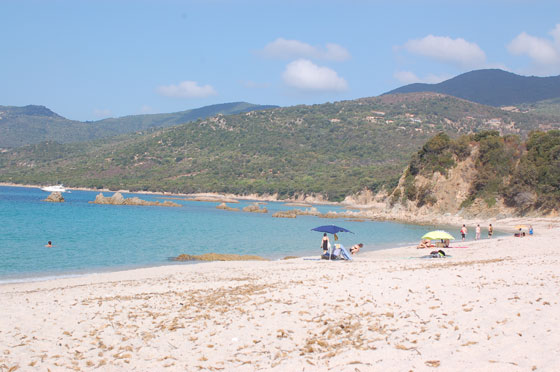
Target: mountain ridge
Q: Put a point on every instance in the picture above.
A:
(31, 124)
(333, 149)
(492, 87)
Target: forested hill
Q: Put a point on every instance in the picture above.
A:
(33, 124)
(333, 150)
(483, 174)
(492, 87)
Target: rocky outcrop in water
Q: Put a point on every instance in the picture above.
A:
(255, 208)
(226, 207)
(55, 197)
(285, 214)
(118, 199)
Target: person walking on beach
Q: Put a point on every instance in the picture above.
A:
(463, 232)
(477, 231)
(325, 243)
(490, 231)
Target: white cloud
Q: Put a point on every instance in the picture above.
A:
(187, 89)
(544, 53)
(409, 77)
(291, 49)
(102, 113)
(305, 75)
(458, 52)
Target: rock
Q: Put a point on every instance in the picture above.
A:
(55, 197)
(226, 207)
(254, 208)
(285, 214)
(118, 199)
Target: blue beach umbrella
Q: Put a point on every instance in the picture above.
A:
(331, 229)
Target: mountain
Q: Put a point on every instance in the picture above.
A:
(330, 150)
(33, 124)
(492, 87)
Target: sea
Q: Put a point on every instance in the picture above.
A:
(89, 238)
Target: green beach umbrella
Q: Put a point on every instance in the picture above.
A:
(438, 234)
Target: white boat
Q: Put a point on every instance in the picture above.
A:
(59, 188)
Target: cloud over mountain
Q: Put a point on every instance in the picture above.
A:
(291, 49)
(544, 53)
(304, 75)
(458, 52)
(187, 89)
(409, 77)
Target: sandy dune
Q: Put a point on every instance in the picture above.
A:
(490, 307)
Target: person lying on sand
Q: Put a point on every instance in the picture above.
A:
(356, 248)
(425, 243)
(437, 254)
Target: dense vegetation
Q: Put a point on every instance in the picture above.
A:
(526, 175)
(31, 124)
(492, 87)
(535, 181)
(549, 107)
(334, 149)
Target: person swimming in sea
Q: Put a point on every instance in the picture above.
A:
(49, 244)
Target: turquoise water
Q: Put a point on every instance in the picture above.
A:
(91, 238)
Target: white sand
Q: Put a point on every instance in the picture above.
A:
(490, 307)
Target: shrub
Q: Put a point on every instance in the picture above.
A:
(395, 197)
(425, 196)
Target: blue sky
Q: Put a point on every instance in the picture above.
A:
(88, 60)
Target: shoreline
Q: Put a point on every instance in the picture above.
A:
(370, 214)
(37, 277)
(492, 306)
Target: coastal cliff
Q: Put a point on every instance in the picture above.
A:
(483, 175)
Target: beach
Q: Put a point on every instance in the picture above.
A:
(492, 306)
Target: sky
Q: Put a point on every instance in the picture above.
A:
(89, 60)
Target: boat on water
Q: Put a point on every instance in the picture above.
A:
(59, 188)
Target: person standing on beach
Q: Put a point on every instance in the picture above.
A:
(477, 231)
(463, 232)
(325, 243)
(490, 231)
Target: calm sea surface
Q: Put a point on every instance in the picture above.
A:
(92, 238)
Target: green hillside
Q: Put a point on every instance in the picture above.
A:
(31, 124)
(525, 175)
(333, 149)
(549, 107)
